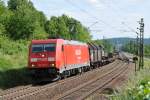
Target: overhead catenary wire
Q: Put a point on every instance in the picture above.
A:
(89, 14)
(118, 14)
(99, 20)
(128, 27)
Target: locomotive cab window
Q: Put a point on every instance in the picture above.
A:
(50, 47)
(37, 48)
(43, 47)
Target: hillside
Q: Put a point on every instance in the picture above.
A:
(124, 40)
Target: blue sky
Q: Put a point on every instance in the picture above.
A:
(113, 17)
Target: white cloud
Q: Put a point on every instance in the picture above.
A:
(137, 0)
(93, 1)
(97, 4)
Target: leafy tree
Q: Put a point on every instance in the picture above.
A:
(67, 28)
(129, 47)
(2, 29)
(26, 22)
(52, 26)
(56, 27)
(16, 4)
(2, 8)
(23, 21)
(40, 21)
(21, 24)
(147, 50)
(82, 33)
(41, 18)
(76, 29)
(107, 46)
(5, 14)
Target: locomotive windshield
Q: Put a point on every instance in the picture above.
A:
(43, 47)
(49, 47)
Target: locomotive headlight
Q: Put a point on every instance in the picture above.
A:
(33, 65)
(33, 59)
(52, 65)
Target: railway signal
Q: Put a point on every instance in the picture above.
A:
(135, 59)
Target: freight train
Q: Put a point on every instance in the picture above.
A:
(62, 58)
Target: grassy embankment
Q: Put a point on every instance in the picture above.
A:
(138, 86)
(13, 62)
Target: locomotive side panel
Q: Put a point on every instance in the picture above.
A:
(75, 56)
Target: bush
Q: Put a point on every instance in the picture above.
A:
(11, 47)
(3, 63)
(141, 91)
(13, 54)
(13, 61)
(138, 88)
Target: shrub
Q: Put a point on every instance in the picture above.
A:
(3, 63)
(13, 54)
(138, 88)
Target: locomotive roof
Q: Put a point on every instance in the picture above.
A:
(74, 42)
(71, 42)
(44, 41)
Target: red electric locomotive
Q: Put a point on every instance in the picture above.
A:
(57, 57)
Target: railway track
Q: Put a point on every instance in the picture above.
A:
(84, 90)
(51, 93)
(28, 91)
(106, 92)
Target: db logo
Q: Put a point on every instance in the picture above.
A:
(78, 52)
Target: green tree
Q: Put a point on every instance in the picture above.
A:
(52, 27)
(2, 8)
(40, 30)
(5, 15)
(22, 24)
(26, 22)
(129, 47)
(76, 29)
(67, 28)
(56, 27)
(62, 28)
(147, 50)
(15, 4)
(107, 45)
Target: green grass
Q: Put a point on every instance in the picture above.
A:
(13, 54)
(13, 71)
(132, 89)
(147, 63)
(13, 63)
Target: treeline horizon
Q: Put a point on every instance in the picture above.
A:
(21, 20)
